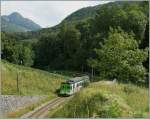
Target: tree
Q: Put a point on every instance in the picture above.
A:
(145, 44)
(15, 51)
(7, 46)
(27, 56)
(130, 17)
(88, 41)
(70, 41)
(120, 57)
(46, 50)
(85, 45)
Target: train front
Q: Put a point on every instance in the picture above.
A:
(65, 89)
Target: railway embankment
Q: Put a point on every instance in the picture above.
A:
(42, 110)
(105, 99)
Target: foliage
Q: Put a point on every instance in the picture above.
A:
(60, 50)
(105, 100)
(121, 15)
(43, 54)
(69, 45)
(16, 52)
(119, 57)
(70, 39)
(145, 44)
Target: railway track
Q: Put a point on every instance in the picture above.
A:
(42, 111)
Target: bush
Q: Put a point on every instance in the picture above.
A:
(96, 105)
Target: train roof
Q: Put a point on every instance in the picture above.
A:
(77, 79)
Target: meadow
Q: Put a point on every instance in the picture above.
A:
(31, 81)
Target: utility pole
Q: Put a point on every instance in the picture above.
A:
(18, 82)
(18, 89)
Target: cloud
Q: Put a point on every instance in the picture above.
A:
(45, 13)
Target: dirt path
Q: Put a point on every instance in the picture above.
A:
(42, 111)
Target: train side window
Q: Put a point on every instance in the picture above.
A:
(78, 84)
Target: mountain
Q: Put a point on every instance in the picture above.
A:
(84, 14)
(17, 23)
(90, 12)
(75, 17)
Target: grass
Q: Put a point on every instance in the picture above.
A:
(31, 81)
(101, 99)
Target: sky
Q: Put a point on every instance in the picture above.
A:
(45, 13)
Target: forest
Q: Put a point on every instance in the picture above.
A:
(112, 45)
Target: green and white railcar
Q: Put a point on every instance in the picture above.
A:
(73, 85)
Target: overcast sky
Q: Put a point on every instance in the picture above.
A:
(45, 13)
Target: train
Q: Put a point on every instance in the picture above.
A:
(73, 85)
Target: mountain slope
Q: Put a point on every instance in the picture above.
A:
(77, 16)
(89, 12)
(83, 14)
(17, 23)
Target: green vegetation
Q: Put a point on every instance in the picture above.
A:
(119, 57)
(73, 44)
(109, 40)
(31, 81)
(105, 99)
(81, 14)
(15, 51)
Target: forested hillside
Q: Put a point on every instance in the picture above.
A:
(113, 43)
